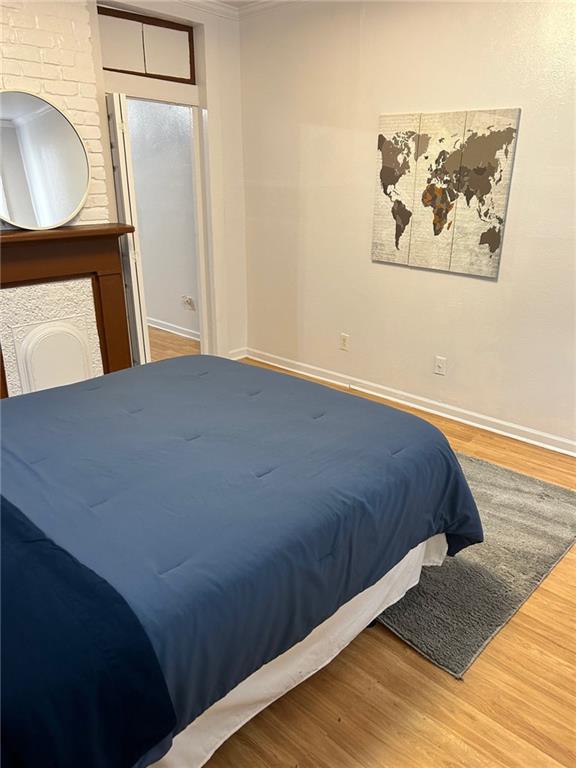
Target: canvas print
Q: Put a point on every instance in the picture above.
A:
(443, 182)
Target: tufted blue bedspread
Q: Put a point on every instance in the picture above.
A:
(234, 508)
(81, 684)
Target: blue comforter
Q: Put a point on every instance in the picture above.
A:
(233, 508)
(81, 684)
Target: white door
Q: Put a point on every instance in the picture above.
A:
(126, 203)
(158, 167)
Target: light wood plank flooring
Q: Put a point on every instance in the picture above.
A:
(164, 345)
(379, 704)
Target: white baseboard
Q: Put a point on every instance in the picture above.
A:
(238, 354)
(177, 329)
(489, 423)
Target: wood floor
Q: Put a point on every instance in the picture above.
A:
(379, 704)
(164, 345)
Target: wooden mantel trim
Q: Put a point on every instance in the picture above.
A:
(91, 251)
(9, 236)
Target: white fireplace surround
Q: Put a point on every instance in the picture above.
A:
(49, 335)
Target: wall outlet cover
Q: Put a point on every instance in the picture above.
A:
(189, 303)
(440, 365)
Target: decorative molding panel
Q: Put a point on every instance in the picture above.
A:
(50, 354)
(48, 335)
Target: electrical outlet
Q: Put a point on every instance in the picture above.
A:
(344, 342)
(440, 365)
(189, 303)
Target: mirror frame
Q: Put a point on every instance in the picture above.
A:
(89, 167)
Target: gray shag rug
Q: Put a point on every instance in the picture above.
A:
(456, 609)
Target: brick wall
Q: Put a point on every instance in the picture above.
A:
(46, 49)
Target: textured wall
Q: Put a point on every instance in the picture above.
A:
(25, 308)
(46, 49)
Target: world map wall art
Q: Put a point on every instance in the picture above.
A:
(442, 189)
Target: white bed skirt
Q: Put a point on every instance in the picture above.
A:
(197, 743)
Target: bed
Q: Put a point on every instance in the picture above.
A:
(251, 522)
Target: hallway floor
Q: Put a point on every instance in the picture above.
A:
(164, 345)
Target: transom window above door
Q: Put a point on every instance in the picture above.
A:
(146, 46)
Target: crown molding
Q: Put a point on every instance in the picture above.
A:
(214, 7)
(257, 6)
(228, 10)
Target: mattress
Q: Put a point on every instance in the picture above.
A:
(233, 508)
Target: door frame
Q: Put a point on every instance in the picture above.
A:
(130, 245)
(125, 194)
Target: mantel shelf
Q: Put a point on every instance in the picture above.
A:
(87, 231)
(90, 251)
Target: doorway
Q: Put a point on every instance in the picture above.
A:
(157, 190)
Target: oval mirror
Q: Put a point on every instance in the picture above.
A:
(44, 170)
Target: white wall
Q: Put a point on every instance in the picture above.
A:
(315, 77)
(47, 50)
(19, 202)
(56, 165)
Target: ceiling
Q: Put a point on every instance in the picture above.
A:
(14, 105)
